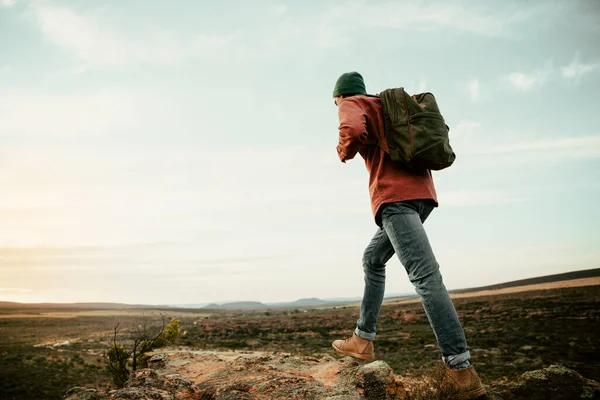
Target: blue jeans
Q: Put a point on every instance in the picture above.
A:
(403, 233)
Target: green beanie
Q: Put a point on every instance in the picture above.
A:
(348, 84)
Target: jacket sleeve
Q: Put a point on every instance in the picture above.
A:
(352, 129)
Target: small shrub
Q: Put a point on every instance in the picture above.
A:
(117, 358)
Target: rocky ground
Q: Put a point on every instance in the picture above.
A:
(209, 375)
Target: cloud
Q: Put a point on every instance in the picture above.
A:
(524, 82)
(68, 114)
(527, 81)
(535, 152)
(151, 258)
(468, 198)
(473, 89)
(94, 43)
(464, 128)
(420, 17)
(172, 193)
(15, 290)
(279, 9)
(580, 145)
(340, 23)
(576, 69)
(8, 3)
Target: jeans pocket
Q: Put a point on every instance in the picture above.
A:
(402, 207)
(422, 207)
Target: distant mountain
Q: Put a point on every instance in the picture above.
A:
(237, 305)
(198, 305)
(342, 299)
(255, 305)
(313, 301)
(309, 302)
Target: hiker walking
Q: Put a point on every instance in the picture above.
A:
(401, 201)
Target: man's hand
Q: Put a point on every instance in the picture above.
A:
(352, 129)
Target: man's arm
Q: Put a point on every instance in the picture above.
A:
(352, 129)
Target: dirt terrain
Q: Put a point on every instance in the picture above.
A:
(243, 375)
(42, 356)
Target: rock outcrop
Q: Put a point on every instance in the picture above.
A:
(554, 382)
(206, 375)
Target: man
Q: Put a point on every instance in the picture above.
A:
(401, 202)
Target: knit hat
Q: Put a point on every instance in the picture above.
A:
(348, 84)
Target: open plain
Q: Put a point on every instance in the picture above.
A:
(45, 351)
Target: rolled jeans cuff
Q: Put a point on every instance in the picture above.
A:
(453, 360)
(364, 335)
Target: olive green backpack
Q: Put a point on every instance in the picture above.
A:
(415, 131)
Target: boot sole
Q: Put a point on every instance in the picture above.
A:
(477, 393)
(472, 394)
(356, 355)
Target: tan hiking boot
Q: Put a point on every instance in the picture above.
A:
(355, 347)
(464, 382)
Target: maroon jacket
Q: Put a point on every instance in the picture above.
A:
(360, 120)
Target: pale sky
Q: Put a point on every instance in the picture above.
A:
(184, 152)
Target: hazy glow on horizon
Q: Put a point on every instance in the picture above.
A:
(186, 154)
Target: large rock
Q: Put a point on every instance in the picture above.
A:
(377, 381)
(143, 384)
(552, 383)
